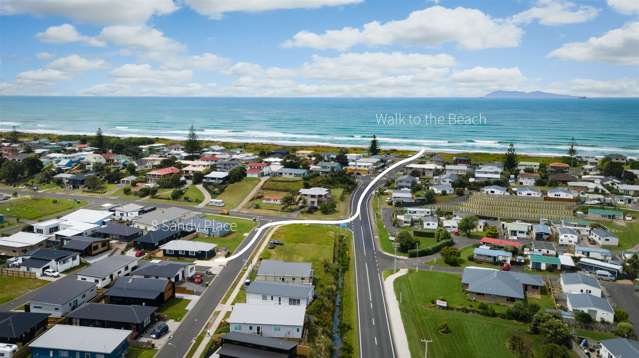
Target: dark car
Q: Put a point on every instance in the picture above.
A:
(159, 330)
(276, 242)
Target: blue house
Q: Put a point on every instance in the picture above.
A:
(63, 341)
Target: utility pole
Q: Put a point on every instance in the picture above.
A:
(426, 341)
(395, 257)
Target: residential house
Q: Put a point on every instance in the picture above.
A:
(493, 242)
(235, 344)
(401, 197)
(609, 214)
(528, 192)
(153, 176)
(517, 230)
(161, 218)
(268, 320)
(523, 166)
(154, 239)
(291, 172)
(405, 182)
(215, 177)
(544, 263)
(70, 229)
(430, 222)
(314, 197)
(496, 285)
(278, 293)
(88, 216)
(107, 270)
(541, 232)
(494, 190)
(86, 245)
(117, 231)
(596, 253)
(141, 291)
(558, 193)
(61, 297)
(488, 172)
(189, 248)
(21, 327)
(577, 282)
(88, 342)
(258, 169)
(592, 265)
(129, 180)
(619, 348)
(527, 179)
(458, 169)
(289, 272)
(129, 211)
(48, 227)
(627, 189)
(69, 181)
(427, 170)
(204, 226)
(486, 254)
(329, 167)
(603, 237)
(597, 307)
(226, 165)
(442, 189)
(134, 318)
(21, 243)
(567, 236)
(170, 270)
(43, 259)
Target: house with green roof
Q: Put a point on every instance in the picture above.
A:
(544, 263)
(610, 214)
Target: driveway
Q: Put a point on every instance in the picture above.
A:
(623, 295)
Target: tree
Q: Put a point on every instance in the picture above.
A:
(14, 137)
(572, 151)
(98, 141)
(406, 241)
(192, 144)
(11, 171)
(624, 329)
(492, 231)
(131, 169)
(288, 200)
(510, 159)
(373, 148)
(612, 169)
(32, 166)
(518, 345)
(620, 315)
(468, 224)
(169, 181)
(197, 178)
(236, 174)
(522, 311)
(555, 331)
(341, 158)
(553, 351)
(328, 207)
(126, 190)
(442, 234)
(93, 183)
(583, 318)
(451, 256)
(176, 194)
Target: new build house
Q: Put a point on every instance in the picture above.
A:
(577, 282)
(289, 272)
(107, 270)
(597, 307)
(103, 315)
(87, 342)
(495, 285)
(277, 293)
(268, 320)
(44, 259)
(61, 297)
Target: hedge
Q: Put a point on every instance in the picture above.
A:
(430, 250)
(423, 233)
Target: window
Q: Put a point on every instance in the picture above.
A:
(264, 297)
(238, 327)
(64, 353)
(250, 328)
(276, 328)
(294, 301)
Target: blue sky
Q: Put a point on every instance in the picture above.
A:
(318, 47)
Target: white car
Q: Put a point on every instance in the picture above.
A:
(216, 202)
(51, 273)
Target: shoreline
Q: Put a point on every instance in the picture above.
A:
(261, 144)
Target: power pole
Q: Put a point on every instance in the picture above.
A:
(426, 341)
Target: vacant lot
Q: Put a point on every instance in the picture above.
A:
(13, 287)
(628, 234)
(35, 208)
(236, 192)
(291, 185)
(231, 241)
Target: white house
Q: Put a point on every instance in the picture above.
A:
(527, 179)
(44, 259)
(268, 320)
(288, 272)
(603, 237)
(215, 177)
(314, 196)
(430, 223)
(619, 348)
(107, 270)
(128, 211)
(488, 172)
(457, 169)
(418, 213)
(61, 297)
(528, 192)
(577, 282)
(277, 293)
(567, 236)
(401, 197)
(628, 189)
(598, 308)
(47, 227)
(494, 190)
(518, 230)
(96, 217)
(558, 193)
(441, 189)
(593, 253)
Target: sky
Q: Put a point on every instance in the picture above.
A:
(318, 48)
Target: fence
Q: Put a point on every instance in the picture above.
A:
(16, 273)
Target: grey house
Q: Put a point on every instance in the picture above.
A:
(277, 293)
(288, 272)
(498, 285)
(619, 348)
(405, 182)
(172, 271)
(107, 270)
(134, 318)
(61, 297)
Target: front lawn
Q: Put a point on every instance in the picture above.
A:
(628, 234)
(13, 287)
(341, 210)
(240, 227)
(175, 309)
(135, 352)
(234, 193)
(291, 185)
(35, 208)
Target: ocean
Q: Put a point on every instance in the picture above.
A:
(534, 126)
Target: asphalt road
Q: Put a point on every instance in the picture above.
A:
(625, 297)
(374, 332)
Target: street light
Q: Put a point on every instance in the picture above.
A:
(426, 341)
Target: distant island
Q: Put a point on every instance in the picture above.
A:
(532, 95)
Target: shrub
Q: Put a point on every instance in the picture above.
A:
(430, 250)
(126, 190)
(624, 329)
(451, 256)
(176, 194)
(443, 328)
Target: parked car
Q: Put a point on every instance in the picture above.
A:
(51, 273)
(159, 330)
(139, 253)
(216, 202)
(197, 278)
(276, 242)
(604, 275)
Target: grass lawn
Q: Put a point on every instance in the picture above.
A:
(292, 185)
(593, 335)
(239, 228)
(34, 208)
(13, 287)
(465, 253)
(193, 193)
(236, 192)
(341, 209)
(349, 304)
(471, 335)
(384, 237)
(628, 234)
(175, 309)
(135, 352)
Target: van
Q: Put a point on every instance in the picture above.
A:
(216, 202)
(604, 275)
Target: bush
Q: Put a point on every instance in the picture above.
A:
(624, 329)
(442, 234)
(583, 318)
(443, 328)
(518, 345)
(451, 256)
(553, 351)
(176, 194)
(328, 207)
(126, 190)
(430, 250)
(423, 233)
(522, 311)
(620, 315)
(406, 241)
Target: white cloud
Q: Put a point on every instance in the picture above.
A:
(556, 12)
(627, 7)
(490, 75)
(470, 29)
(145, 74)
(143, 38)
(45, 56)
(42, 75)
(206, 61)
(67, 33)
(625, 87)
(102, 12)
(618, 46)
(216, 8)
(75, 63)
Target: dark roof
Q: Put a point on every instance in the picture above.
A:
(154, 237)
(34, 263)
(14, 324)
(166, 269)
(252, 339)
(280, 289)
(50, 254)
(237, 351)
(81, 242)
(113, 313)
(61, 291)
(116, 229)
(138, 287)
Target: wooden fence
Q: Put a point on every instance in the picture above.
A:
(8, 272)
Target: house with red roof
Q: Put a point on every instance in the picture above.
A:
(257, 169)
(153, 176)
(493, 242)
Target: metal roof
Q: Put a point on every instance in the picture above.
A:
(586, 301)
(61, 291)
(188, 245)
(162, 215)
(107, 266)
(279, 289)
(578, 278)
(138, 287)
(267, 314)
(87, 216)
(622, 347)
(50, 254)
(252, 339)
(14, 324)
(83, 339)
(490, 252)
(282, 268)
(156, 236)
(166, 269)
(500, 283)
(113, 313)
(117, 229)
(552, 260)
